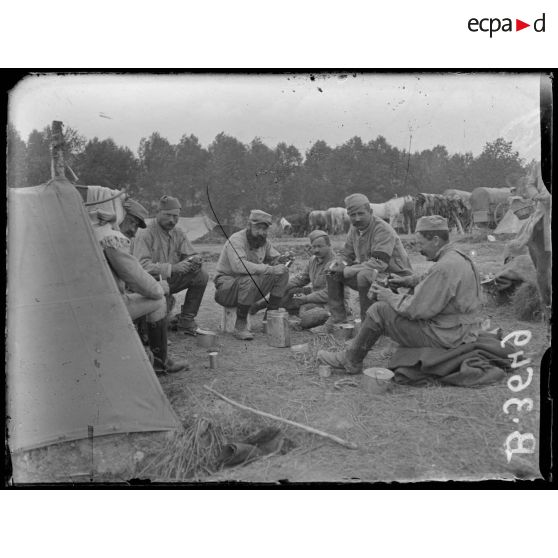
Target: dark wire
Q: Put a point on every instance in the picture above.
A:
(232, 245)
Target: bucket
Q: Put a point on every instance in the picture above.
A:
(206, 340)
(377, 380)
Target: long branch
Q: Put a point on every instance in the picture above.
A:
(345, 443)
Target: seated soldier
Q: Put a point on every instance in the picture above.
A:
(310, 302)
(371, 247)
(147, 296)
(164, 251)
(443, 312)
(249, 268)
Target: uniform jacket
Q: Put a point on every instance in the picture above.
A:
(377, 247)
(237, 252)
(157, 250)
(314, 273)
(447, 299)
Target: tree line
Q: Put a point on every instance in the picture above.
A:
(240, 176)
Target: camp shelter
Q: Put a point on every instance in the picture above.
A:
(75, 366)
(194, 227)
(510, 224)
(489, 205)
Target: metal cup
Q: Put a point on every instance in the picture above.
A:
(213, 360)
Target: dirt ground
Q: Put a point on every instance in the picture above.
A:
(408, 434)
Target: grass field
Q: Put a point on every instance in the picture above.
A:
(409, 434)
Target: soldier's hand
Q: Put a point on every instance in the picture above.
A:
(397, 281)
(196, 259)
(379, 293)
(165, 285)
(278, 269)
(183, 267)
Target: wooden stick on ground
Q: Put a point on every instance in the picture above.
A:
(345, 443)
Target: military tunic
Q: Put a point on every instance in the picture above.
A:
(446, 302)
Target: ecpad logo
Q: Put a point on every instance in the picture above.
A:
(493, 25)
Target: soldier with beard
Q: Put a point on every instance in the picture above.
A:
(248, 268)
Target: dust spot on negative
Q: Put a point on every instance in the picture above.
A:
(320, 90)
(312, 78)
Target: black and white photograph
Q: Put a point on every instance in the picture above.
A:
(277, 277)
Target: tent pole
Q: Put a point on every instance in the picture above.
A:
(57, 151)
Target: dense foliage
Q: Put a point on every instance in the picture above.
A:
(239, 176)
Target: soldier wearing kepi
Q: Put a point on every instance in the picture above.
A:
(307, 290)
(248, 268)
(164, 251)
(372, 247)
(443, 312)
(142, 294)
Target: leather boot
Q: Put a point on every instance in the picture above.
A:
(189, 310)
(364, 301)
(339, 360)
(157, 334)
(241, 330)
(336, 300)
(367, 336)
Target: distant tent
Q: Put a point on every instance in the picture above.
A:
(75, 361)
(489, 205)
(195, 227)
(510, 224)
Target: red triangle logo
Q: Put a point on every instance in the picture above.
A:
(519, 25)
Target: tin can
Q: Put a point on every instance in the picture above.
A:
(278, 332)
(324, 370)
(213, 360)
(264, 326)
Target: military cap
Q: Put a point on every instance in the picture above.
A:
(168, 203)
(316, 234)
(257, 216)
(432, 223)
(354, 201)
(137, 210)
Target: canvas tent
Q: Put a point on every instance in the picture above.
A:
(75, 362)
(510, 223)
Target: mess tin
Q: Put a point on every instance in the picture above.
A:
(206, 340)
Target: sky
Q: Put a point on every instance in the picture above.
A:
(460, 111)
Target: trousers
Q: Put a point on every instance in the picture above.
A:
(245, 290)
(195, 283)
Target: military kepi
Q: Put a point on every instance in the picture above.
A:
(354, 201)
(137, 210)
(432, 223)
(257, 216)
(316, 234)
(168, 203)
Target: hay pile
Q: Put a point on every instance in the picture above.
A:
(189, 453)
(526, 302)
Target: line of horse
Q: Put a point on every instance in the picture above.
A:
(401, 213)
